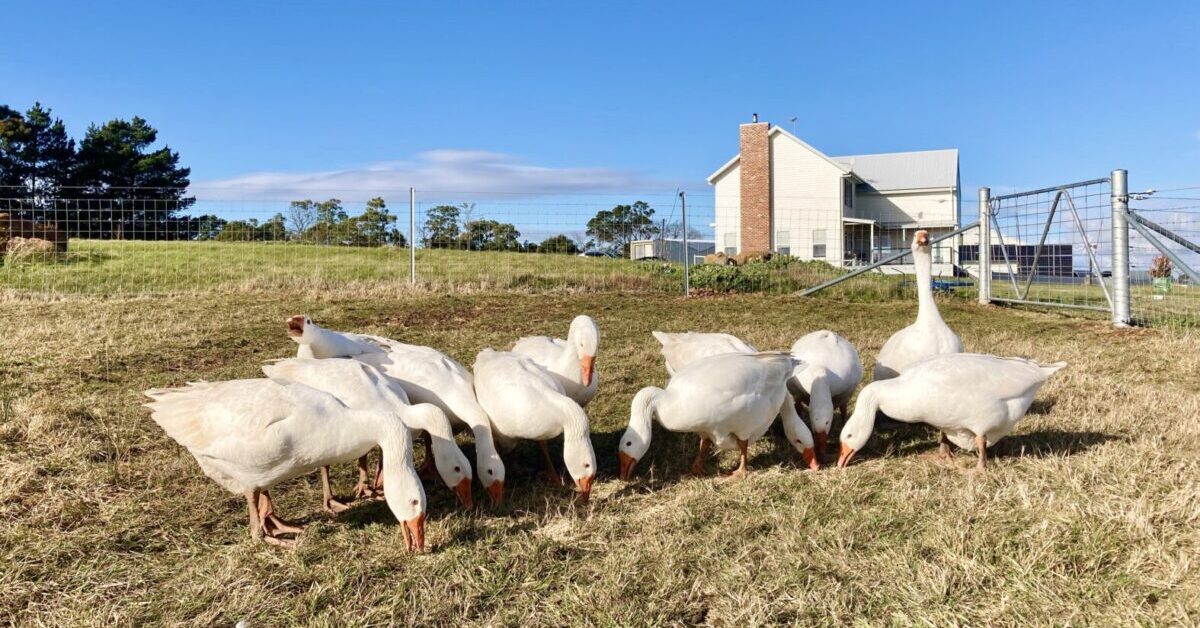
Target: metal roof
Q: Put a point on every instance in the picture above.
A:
(905, 171)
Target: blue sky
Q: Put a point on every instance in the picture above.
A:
(570, 96)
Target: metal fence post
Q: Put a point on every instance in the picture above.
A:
(412, 235)
(985, 246)
(687, 254)
(1120, 243)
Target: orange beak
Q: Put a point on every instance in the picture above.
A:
(585, 487)
(627, 464)
(414, 534)
(846, 455)
(810, 458)
(586, 364)
(496, 492)
(822, 439)
(463, 492)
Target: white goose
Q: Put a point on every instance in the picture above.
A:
(345, 379)
(680, 350)
(730, 400)
(425, 374)
(929, 335)
(975, 400)
(834, 371)
(249, 435)
(525, 401)
(573, 360)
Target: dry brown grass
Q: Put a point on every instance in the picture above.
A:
(1089, 514)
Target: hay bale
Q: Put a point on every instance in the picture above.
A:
(719, 258)
(13, 228)
(745, 257)
(21, 250)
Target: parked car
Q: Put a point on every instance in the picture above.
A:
(595, 254)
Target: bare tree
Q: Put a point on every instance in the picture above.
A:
(301, 216)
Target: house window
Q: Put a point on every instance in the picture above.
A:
(847, 194)
(783, 243)
(818, 243)
(731, 244)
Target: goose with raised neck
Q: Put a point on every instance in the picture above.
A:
(929, 335)
(572, 360)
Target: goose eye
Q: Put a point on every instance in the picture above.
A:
(587, 466)
(629, 443)
(457, 469)
(415, 502)
(490, 472)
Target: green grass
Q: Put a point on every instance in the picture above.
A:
(97, 267)
(1087, 516)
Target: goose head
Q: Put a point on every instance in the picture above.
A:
(584, 337)
(921, 241)
(491, 473)
(859, 426)
(456, 473)
(633, 448)
(297, 326)
(405, 496)
(635, 442)
(581, 463)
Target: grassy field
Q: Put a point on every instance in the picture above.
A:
(1089, 515)
(133, 268)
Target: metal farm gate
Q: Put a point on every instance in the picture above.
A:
(1072, 246)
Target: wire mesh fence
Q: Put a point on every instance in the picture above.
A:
(1053, 246)
(440, 239)
(1163, 293)
(1048, 247)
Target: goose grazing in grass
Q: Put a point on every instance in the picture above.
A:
(730, 400)
(929, 335)
(525, 401)
(834, 371)
(249, 435)
(975, 400)
(349, 381)
(425, 374)
(573, 360)
(680, 350)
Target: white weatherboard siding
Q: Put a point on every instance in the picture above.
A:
(806, 197)
(812, 193)
(728, 199)
(926, 207)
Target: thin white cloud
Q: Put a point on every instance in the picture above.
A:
(468, 171)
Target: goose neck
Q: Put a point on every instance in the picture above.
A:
(926, 306)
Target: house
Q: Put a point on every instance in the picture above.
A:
(781, 194)
(670, 249)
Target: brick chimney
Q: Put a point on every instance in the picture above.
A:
(755, 163)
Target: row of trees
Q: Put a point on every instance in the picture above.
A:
(41, 166)
(609, 231)
(318, 222)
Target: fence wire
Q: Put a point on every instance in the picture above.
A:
(623, 241)
(1053, 246)
(1161, 293)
